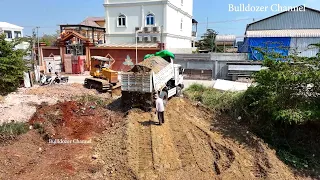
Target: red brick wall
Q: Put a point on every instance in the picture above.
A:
(47, 52)
(119, 55)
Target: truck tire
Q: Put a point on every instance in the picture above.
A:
(164, 96)
(179, 91)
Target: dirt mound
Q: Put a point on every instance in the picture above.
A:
(77, 124)
(70, 120)
(185, 148)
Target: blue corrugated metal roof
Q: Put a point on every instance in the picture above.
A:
(308, 19)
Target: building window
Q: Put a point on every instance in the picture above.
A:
(17, 34)
(181, 24)
(8, 34)
(122, 20)
(150, 19)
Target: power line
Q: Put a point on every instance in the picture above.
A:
(225, 21)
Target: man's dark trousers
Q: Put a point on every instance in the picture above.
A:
(161, 117)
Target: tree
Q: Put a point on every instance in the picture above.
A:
(288, 91)
(50, 39)
(12, 65)
(207, 41)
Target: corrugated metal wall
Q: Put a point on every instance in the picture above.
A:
(300, 45)
(290, 20)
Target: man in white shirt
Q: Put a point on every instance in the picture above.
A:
(50, 68)
(159, 109)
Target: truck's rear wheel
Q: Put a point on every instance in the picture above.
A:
(164, 96)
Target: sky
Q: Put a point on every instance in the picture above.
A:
(214, 14)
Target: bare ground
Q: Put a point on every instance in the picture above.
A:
(20, 106)
(133, 146)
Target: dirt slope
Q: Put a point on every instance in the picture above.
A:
(185, 148)
(132, 146)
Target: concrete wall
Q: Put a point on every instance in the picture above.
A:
(121, 55)
(217, 62)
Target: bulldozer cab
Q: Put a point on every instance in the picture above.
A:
(98, 63)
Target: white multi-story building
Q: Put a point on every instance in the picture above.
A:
(13, 31)
(157, 21)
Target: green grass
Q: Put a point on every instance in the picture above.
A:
(214, 99)
(14, 128)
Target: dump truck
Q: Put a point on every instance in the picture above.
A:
(103, 79)
(155, 75)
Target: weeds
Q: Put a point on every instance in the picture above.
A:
(91, 99)
(216, 100)
(13, 128)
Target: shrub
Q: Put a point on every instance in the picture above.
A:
(13, 128)
(286, 92)
(12, 65)
(212, 98)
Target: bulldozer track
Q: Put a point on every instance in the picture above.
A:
(145, 148)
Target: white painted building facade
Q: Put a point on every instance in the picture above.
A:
(13, 31)
(166, 21)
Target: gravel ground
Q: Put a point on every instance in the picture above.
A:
(21, 105)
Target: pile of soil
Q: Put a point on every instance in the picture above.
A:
(71, 120)
(32, 154)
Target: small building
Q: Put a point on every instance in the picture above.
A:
(151, 22)
(92, 28)
(289, 32)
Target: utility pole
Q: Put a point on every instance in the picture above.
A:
(161, 38)
(39, 63)
(33, 37)
(207, 23)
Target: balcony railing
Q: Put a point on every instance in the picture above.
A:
(194, 33)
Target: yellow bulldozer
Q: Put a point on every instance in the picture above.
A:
(103, 79)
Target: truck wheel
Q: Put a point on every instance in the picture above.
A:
(164, 96)
(179, 91)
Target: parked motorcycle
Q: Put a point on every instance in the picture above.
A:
(60, 79)
(45, 80)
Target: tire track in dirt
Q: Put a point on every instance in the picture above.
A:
(145, 147)
(140, 152)
(166, 156)
(193, 146)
